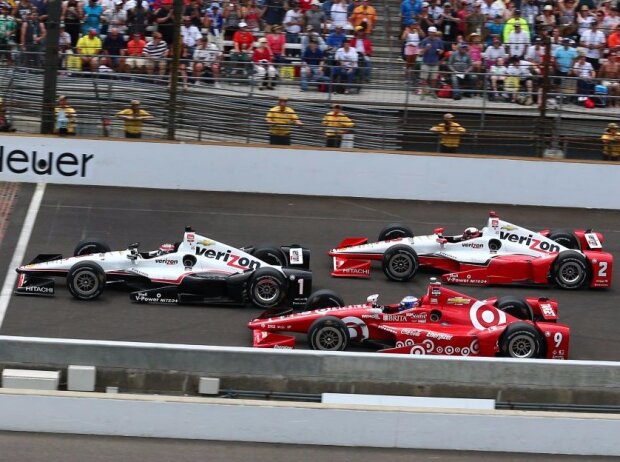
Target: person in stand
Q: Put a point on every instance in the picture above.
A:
(450, 132)
(64, 117)
(264, 70)
(134, 118)
(338, 124)
(280, 119)
(611, 143)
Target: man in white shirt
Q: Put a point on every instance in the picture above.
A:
(585, 73)
(346, 57)
(190, 34)
(207, 60)
(536, 52)
(292, 22)
(339, 15)
(594, 41)
(518, 42)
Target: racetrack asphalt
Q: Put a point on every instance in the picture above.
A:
(123, 216)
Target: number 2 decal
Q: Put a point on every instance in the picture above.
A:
(557, 338)
(602, 269)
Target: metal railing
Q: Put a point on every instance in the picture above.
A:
(390, 110)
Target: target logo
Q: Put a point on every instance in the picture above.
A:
(483, 316)
(474, 347)
(358, 330)
(417, 350)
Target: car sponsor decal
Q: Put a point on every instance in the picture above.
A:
(458, 301)
(143, 297)
(535, 244)
(509, 227)
(205, 242)
(166, 261)
(483, 316)
(296, 256)
(547, 309)
(473, 245)
(358, 330)
(455, 279)
(232, 260)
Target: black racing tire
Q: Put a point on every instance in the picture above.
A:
(86, 280)
(267, 287)
(271, 256)
(400, 263)
(516, 307)
(570, 270)
(323, 298)
(565, 237)
(395, 231)
(328, 334)
(522, 340)
(90, 246)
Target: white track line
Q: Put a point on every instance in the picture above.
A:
(20, 249)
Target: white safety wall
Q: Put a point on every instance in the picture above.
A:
(309, 172)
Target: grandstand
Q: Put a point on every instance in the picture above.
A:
(388, 111)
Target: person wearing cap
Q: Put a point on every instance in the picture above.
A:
(264, 71)
(293, 20)
(494, 52)
(448, 25)
(339, 14)
(64, 117)
(338, 124)
(412, 35)
(88, 47)
(425, 19)
(280, 119)
(518, 41)
(347, 59)
(535, 53)
(213, 21)
(530, 11)
(611, 142)
(364, 15)
(134, 117)
(494, 28)
(584, 19)
(585, 73)
(563, 59)
(137, 17)
(64, 39)
(190, 35)
(475, 21)
(312, 69)
(207, 62)
(594, 41)
(277, 43)
(460, 66)
(431, 49)
(546, 19)
(316, 18)
(164, 19)
(243, 39)
(116, 16)
(511, 26)
(336, 38)
(312, 35)
(92, 16)
(362, 44)
(450, 132)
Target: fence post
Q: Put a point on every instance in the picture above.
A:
(50, 77)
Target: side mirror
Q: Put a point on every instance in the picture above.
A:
(372, 299)
(439, 231)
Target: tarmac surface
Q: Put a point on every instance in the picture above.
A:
(123, 216)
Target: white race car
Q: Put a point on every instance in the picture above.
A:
(195, 270)
(499, 253)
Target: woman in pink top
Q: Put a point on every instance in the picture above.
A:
(475, 52)
(276, 41)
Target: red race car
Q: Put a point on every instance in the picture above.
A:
(499, 253)
(441, 322)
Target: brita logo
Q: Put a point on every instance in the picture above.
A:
(43, 163)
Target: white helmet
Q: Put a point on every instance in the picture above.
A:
(408, 302)
(471, 233)
(213, 47)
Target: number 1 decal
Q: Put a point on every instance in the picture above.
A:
(301, 285)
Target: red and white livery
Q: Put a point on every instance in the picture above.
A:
(441, 322)
(499, 253)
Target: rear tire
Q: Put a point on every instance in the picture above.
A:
(521, 340)
(395, 231)
(267, 287)
(90, 246)
(271, 256)
(400, 263)
(570, 270)
(516, 307)
(86, 280)
(328, 334)
(323, 298)
(565, 237)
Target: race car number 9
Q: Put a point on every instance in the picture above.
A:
(557, 338)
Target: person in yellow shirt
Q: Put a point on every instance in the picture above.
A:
(337, 124)
(280, 119)
(611, 143)
(134, 118)
(89, 47)
(64, 117)
(450, 132)
(364, 16)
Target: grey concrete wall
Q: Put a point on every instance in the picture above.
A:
(295, 423)
(177, 368)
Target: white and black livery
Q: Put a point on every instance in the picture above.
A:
(196, 270)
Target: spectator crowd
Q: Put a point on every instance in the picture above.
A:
(458, 47)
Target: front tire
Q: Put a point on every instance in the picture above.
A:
(516, 307)
(90, 246)
(323, 298)
(400, 263)
(328, 334)
(564, 237)
(267, 287)
(522, 341)
(570, 270)
(395, 231)
(271, 256)
(86, 280)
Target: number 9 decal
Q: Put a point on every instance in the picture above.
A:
(557, 338)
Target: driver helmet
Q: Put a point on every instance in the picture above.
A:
(408, 302)
(471, 233)
(166, 248)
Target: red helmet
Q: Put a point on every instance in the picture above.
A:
(166, 248)
(471, 233)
